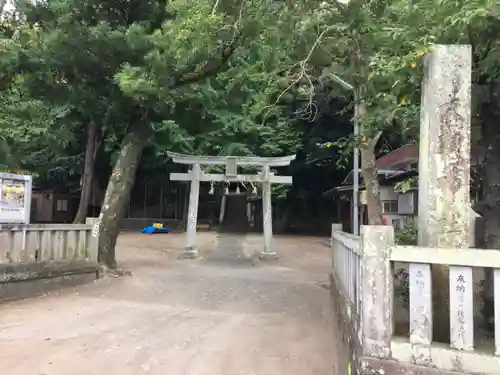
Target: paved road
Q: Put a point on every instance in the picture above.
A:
(217, 315)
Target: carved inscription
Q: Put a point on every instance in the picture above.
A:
(461, 308)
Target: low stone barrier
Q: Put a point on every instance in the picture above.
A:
(37, 258)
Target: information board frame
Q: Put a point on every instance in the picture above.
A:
(13, 212)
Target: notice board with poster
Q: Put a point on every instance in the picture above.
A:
(15, 198)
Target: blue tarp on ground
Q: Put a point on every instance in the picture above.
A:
(151, 229)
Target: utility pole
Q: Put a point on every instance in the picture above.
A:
(355, 161)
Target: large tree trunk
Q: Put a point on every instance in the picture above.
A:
(490, 203)
(372, 187)
(369, 172)
(118, 192)
(88, 173)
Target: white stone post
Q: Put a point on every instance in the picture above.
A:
(194, 193)
(444, 176)
(267, 213)
(444, 158)
(376, 290)
(335, 228)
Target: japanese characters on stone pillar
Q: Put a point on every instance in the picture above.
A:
(444, 158)
(444, 188)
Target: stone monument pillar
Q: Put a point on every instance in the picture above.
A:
(444, 164)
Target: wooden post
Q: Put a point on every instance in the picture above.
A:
(222, 208)
(267, 213)
(160, 216)
(145, 202)
(496, 301)
(444, 173)
(194, 194)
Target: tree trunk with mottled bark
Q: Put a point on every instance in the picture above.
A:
(118, 192)
(490, 202)
(369, 172)
(490, 205)
(88, 173)
(372, 187)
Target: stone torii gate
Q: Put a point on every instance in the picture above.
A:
(264, 177)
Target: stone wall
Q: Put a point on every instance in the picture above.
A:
(31, 279)
(37, 258)
(375, 366)
(345, 332)
(370, 347)
(344, 280)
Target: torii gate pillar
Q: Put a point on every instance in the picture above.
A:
(195, 175)
(192, 219)
(267, 213)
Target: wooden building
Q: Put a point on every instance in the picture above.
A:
(398, 208)
(50, 206)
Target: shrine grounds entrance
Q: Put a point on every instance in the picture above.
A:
(216, 315)
(264, 177)
(235, 218)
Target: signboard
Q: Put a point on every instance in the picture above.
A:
(15, 198)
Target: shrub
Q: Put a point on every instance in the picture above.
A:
(404, 236)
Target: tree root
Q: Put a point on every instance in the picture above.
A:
(117, 272)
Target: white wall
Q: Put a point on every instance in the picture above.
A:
(387, 193)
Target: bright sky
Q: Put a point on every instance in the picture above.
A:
(8, 6)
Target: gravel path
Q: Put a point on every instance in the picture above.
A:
(216, 315)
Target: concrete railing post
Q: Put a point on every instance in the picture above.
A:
(335, 228)
(93, 248)
(376, 290)
(334, 249)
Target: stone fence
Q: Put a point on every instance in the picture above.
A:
(363, 289)
(36, 258)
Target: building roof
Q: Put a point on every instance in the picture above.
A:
(401, 159)
(397, 164)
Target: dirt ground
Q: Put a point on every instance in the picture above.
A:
(216, 315)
